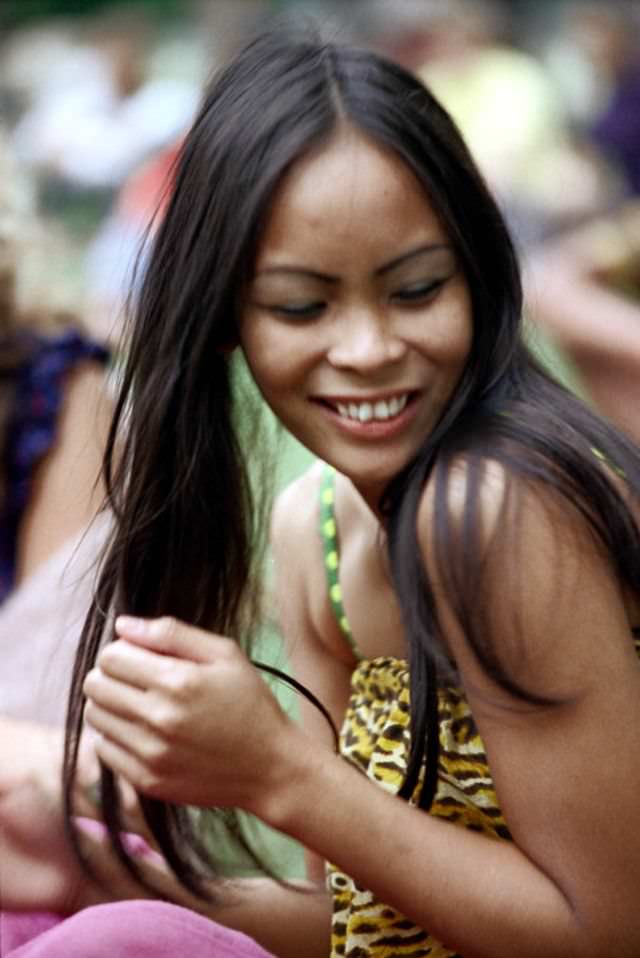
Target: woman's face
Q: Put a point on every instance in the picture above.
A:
(357, 322)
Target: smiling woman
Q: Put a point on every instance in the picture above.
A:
(447, 576)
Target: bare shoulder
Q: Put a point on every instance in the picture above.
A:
(492, 488)
(538, 582)
(295, 512)
(499, 494)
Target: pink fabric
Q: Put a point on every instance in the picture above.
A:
(127, 929)
(16, 928)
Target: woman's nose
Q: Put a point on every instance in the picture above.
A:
(365, 342)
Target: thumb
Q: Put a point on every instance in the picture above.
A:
(169, 636)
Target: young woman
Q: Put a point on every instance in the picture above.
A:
(459, 588)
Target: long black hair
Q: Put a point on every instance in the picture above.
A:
(188, 521)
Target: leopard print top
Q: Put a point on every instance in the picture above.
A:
(375, 738)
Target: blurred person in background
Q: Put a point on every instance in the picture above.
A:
(593, 58)
(54, 407)
(583, 290)
(517, 127)
(97, 112)
(583, 284)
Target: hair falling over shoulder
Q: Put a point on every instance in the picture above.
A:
(188, 522)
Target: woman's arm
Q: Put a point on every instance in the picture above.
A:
(67, 490)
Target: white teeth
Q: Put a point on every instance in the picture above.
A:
(381, 410)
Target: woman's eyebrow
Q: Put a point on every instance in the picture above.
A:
(291, 268)
(297, 271)
(425, 248)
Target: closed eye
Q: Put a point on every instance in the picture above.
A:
(418, 292)
(298, 310)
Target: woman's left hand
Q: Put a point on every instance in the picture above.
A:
(184, 716)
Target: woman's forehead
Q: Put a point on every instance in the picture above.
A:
(349, 188)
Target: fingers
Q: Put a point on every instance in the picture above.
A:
(119, 698)
(106, 722)
(121, 736)
(147, 688)
(171, 637)
(125, 672)
(131, 747)
(162, 653)
(122, 759)
(87, 803)
(134, 665)
(87, 769)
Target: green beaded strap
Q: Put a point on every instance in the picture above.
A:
(329, 534)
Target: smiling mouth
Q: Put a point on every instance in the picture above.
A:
(379, 410)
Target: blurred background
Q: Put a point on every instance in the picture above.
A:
(95, 95)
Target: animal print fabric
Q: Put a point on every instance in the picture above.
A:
(375, 738)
